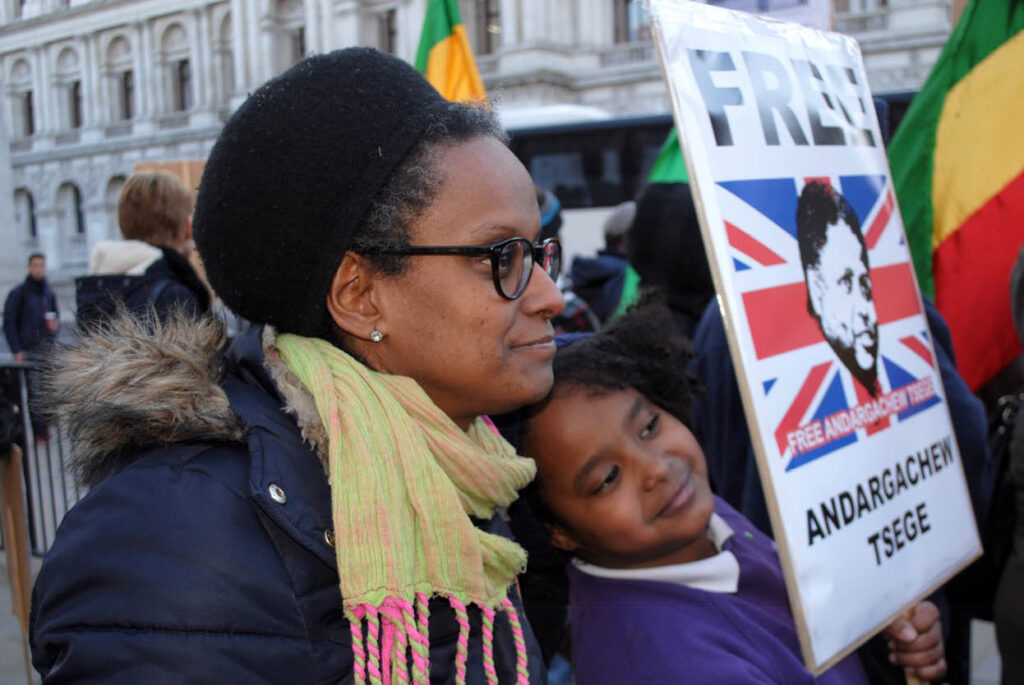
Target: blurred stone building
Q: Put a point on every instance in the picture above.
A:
(90, 88)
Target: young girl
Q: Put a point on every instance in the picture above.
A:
(669, 584)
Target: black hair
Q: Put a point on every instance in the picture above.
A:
(818, 208)
(35, 255)
(415, 184)
(637, 350)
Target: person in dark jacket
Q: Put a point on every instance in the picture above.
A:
(667, 251)
(31, 317)
(600, 280)
(1008, 607)
(322, 503)
(576, 317)
(149, 268)
(31, 322)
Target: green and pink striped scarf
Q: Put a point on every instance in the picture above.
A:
(404, 481)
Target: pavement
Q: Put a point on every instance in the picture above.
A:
(12, 659)
(985, 667)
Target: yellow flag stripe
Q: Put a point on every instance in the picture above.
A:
(979, 142)
(452, 70)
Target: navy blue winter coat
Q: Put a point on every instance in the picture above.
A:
(181, 566)
(599, 281)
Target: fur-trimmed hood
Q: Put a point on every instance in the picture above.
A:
(130, 386)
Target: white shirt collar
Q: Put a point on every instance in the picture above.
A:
(719, 573)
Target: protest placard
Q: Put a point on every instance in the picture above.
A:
(844, 401)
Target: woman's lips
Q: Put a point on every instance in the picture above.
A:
(681, 497)
(542, 343)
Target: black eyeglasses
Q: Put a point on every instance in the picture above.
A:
(512, 260)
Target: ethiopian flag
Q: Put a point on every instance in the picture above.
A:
(444, 56)
(958, 166)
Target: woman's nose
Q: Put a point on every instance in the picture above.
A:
(542, 294)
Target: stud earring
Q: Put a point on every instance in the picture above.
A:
(376, 336)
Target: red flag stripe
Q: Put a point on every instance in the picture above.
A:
(779, 321)
(972, 285)
(791, 421)
(919, 348)
(748, 245)
(880, 222)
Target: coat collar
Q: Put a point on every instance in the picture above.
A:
(279, 457)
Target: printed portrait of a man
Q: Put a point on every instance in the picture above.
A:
(835, 264)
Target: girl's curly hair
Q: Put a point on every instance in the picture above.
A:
(637, 350)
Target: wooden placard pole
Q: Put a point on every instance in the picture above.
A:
(15, 530)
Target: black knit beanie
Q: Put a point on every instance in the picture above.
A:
(292, 176)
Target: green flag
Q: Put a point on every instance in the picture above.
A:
(670, 167)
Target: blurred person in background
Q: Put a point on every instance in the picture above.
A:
(667, 251)
(31, 317)
(577, 316)
(31, 322)
(1008, 607)
(600, 280)
(149, 269)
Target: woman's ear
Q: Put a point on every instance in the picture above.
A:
(351, 300)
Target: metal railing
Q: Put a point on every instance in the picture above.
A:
(50, 487)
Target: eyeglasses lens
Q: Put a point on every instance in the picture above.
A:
(513, 270)
(553, 259)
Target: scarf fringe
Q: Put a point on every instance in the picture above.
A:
(398, 629)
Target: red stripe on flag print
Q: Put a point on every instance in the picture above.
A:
(880, 222)
(791, 421)
(972, 285)
(749, 245)
(919, 348)
(894, 292)
(779, 321)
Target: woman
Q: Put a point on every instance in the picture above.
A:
(386, 239)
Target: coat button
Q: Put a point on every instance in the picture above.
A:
(277, 494)
(329, 537)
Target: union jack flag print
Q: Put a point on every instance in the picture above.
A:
(826, 408)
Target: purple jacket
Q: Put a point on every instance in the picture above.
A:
(638, 631)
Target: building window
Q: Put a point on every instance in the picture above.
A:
(75, 104)
(631, 22)
(28, 116)
(25, 213)
(79, 211)
(298, 37)
(488, 24)
(126, 95)
(182, 85)
(387, 25)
